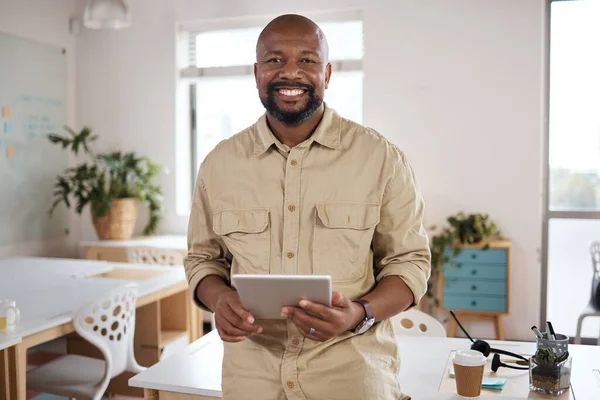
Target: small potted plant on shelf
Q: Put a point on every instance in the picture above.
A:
(111, 183)
(463, 229)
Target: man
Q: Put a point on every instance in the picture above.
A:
(304, 191)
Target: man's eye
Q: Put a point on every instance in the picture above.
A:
(308, 60)
(274, 60)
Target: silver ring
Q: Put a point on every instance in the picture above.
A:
(311, 332)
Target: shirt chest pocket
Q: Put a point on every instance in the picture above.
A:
(342, 238)
(246, 234)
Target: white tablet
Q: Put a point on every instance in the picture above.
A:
(264, 295)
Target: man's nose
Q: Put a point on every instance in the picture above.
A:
(290, 70)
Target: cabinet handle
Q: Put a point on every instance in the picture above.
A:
(473, 256)
(474, 303)
(474, 287)
(474, 272)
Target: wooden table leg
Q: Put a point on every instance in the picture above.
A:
(4, 378)
(150, 394)
(451, 327)
(498, 325)
(17, 374)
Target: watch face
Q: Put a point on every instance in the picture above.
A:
(364, 326)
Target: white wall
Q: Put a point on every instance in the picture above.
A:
(457, 84)
(45, 21)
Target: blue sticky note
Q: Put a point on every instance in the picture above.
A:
(8, 127)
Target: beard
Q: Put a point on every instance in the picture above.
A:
(291, 117)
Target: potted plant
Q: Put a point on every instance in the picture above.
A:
(111, 183)
(463, 229)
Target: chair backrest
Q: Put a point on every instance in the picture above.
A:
(153, 255)
(595, 254)
(109, 324)
(417, 323)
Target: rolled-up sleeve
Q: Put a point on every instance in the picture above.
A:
(400, 243)
(207, 254)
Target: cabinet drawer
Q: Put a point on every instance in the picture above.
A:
(466, 287)
(475, 271)
(478, 256)
(475, 303)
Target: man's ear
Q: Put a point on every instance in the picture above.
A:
(327, 75)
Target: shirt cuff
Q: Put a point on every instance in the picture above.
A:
(207, 268)
(412, 274)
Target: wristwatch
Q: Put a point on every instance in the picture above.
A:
(369, 320)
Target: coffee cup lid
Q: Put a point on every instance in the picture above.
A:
(470, 358)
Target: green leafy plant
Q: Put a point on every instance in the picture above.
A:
(545, 358)
(463, 229)
(109, 176)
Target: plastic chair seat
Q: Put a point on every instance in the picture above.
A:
(414, 322)
(70, 376)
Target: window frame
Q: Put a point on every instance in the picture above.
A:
(548, 212)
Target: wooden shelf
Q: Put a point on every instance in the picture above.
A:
(169, 336)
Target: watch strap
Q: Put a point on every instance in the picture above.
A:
(368, 310)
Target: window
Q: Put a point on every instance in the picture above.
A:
(217, 93)
(573, 167)
(574, 155)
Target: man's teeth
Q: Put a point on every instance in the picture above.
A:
(288, 92)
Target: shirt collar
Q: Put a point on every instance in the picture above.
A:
(328, 133)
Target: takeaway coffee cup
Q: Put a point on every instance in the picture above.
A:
(468, 372)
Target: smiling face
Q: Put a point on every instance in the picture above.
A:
(292, 70)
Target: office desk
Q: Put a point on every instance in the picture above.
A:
(49, 291)
(159, 249)
(195, 372)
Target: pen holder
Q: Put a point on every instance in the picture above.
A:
(550, 367)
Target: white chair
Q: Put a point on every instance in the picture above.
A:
(153, 255)
(590, 310)
(414, 322)
(109, 324)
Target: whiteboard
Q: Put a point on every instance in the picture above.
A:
(33, 103)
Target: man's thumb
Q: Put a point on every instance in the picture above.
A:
(338, 300)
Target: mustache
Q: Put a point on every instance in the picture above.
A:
(272, 86)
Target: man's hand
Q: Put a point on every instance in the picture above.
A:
(233, 322)
(327, 322)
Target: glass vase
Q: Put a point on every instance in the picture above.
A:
(546, 375)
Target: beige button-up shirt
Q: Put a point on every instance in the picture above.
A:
(345, 202)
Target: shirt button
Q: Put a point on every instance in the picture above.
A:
(292, 207)
(290, 255)
(295, 342)
(290, 384)
(294, 163)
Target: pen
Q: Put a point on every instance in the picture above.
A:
(551, 330)
(537, 332)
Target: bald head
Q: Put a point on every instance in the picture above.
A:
(292, 26)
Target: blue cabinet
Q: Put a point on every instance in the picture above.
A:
(476, 280)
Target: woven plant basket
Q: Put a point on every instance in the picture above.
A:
(119, 223)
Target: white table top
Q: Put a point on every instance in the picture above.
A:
(197, 368)
(173, 242)
(49, 291)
